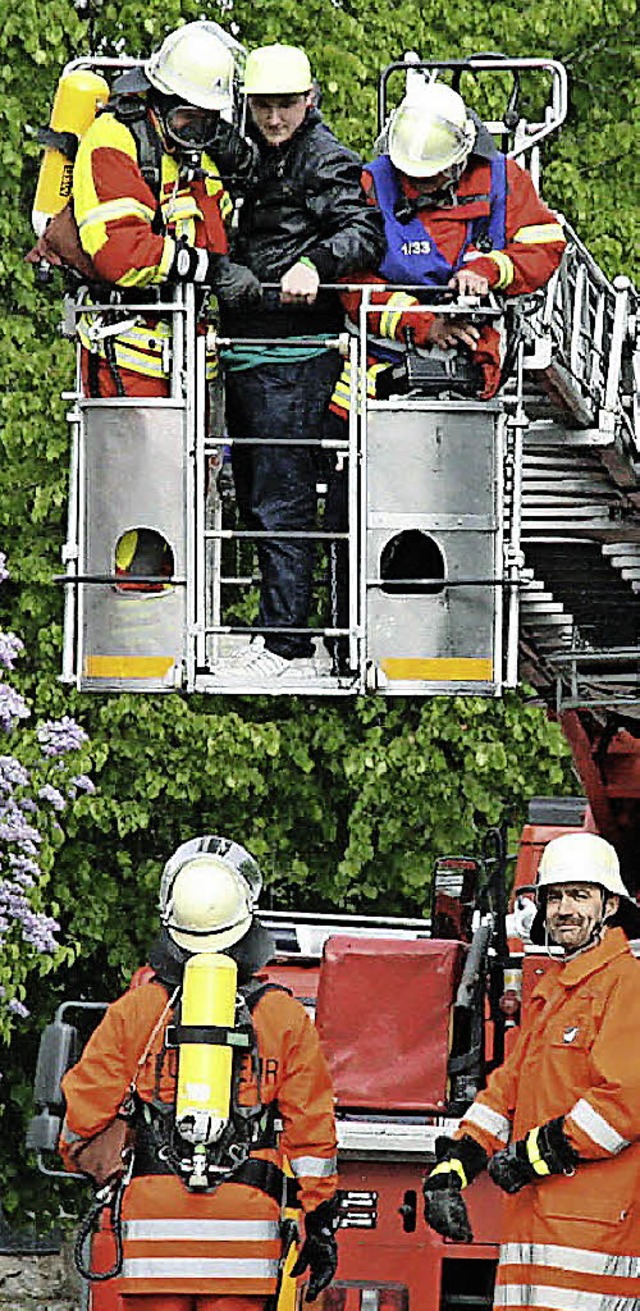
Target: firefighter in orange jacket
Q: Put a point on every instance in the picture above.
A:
(558, 1125)
(201, 1225)
(457, 214)
(150, 204)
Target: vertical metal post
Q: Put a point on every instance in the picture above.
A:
(70, 551)
(517, 426)
(184, 367)
(355, 541)
(621, 287)
(363, 324)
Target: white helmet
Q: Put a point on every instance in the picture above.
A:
(430, 132)
(196, 64)
(208, 893)
(583, 858)
(277, 70)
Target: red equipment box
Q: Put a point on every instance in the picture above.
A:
(383, 1015)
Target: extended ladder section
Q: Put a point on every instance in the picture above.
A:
(449, 529)
(580, 602)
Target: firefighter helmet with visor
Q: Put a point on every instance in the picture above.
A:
(208, 893)
(196, 65)
(431, 133)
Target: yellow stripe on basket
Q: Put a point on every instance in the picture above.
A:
(127, 666)
(468, 670)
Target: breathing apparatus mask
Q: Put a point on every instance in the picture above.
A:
(186, 129)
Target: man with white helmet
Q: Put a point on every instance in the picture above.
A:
(149, 201)
(457, 214)
(558, 1125)
(203, 1210)
(304, 221)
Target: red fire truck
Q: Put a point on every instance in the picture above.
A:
(412, 1015)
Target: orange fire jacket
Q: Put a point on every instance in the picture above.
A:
(574, 1240)
(228, 1240)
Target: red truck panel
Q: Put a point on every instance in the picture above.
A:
(383, 1015)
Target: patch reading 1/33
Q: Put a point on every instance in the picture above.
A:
(358, 1210)
(415, 247)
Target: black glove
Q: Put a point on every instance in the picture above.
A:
(543, 1151)
(319, 1252)
(459, 1161)
(234, 284)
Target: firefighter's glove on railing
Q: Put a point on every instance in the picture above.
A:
(459, 1161)
(234, 284)
(545, 1150)
(319, 1252)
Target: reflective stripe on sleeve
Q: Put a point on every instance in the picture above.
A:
(183, 1267)
(538, 233)
(315, 1167)
(583, 1259)
(392, 313)
(92, 225)
(505, 269)
(208, 1231)
(560, 1299)
(489, 1120)
(597, 1128)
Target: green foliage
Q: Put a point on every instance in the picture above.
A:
(343, 804)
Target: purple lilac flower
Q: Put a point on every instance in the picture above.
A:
(14, 828)
(18, 1008)
(12, 707)
(55, 798)
(10, 648)
(83, 783)
(57, 736)
(12, 774)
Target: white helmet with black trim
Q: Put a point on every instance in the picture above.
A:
(208, 894)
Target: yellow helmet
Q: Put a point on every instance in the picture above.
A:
(430, 133)
(195, 63)
(209, 890)
(277, 70)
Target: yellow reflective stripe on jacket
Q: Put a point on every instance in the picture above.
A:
(392, 312)
(214, 186)
(505, 269)
(538, 233)
(106, 132)
(342, 391)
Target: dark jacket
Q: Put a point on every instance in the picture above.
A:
(304, 198)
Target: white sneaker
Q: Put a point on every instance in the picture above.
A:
(256, 664)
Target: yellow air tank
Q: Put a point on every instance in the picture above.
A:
(79, 96)
(204, 1068)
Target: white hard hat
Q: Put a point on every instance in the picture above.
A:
(208, 894)
(196, 64)
(277, 70)
(584, 858)
(430, 132)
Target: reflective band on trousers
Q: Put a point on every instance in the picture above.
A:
(198, 1267)
(250, 1231)
(560, 1299)
(596, 1127)
(488, 1120)
(583, 1259)
(315, 1167)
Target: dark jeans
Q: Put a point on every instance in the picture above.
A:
(276, 485)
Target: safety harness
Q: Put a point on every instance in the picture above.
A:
(158, 1149)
